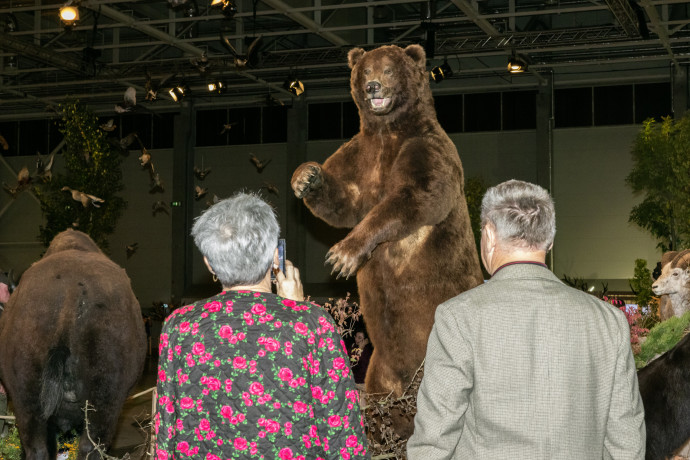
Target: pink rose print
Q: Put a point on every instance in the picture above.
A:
(334, 420)
(272, 345)
(258, 309)
(239, 363)
(163, 340)
(183, 447)
(272, 426)
(184, 327)
(339, 363)
(162, 455)
(213, 306)
(285, 453)
(204, 425)
(225, 332)
(300, 407)
(344, 454)
(240, 443)
(301, 328)
(186, 403)
(285, 374)
(289, 303)
(226, 412)
(210, 456)
(256, 388)
(198, 348)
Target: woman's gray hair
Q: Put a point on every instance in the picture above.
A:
(523, 214)
(238, 236)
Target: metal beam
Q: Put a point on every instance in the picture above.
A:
(304, 21)
(660, 30)
(473, 14)
(625, 15)
(45, 55)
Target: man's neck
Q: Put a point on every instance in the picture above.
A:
(517, 255)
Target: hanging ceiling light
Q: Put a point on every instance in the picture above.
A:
(441, 72)
(516, 64)
(69, 14)
(178, 92)
(216, 87)
(228, 8)
(293, 85)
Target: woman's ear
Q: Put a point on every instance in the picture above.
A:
(208, 266)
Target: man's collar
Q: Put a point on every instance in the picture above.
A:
(516, 262)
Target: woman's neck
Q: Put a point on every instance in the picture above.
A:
(262, 286)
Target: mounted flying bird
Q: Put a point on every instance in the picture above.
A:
(242, 60)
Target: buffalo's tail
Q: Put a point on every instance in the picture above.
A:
(52, 380)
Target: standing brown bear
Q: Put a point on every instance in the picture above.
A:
(399, 185)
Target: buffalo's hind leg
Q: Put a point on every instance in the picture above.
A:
(38, 441)
(101, 428)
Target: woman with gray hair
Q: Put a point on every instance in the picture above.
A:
(247, 372)
(524, 366)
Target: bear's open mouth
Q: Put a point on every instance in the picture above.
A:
(379, 103)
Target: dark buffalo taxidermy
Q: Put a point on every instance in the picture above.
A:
(72, 332)
(665, 389)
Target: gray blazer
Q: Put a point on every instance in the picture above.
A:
(524, 367)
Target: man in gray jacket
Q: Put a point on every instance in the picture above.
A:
(524, 367)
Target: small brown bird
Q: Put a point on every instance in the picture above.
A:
(156, 182)
(43, 168)
(160, 206)
(271, 188)
(23, 181)
(84, 198)
(241, 60)
(199, 192)
(212, 201)
(131, 249)
(109, 126)
(201, 173)
(272, 101)
(145, 157)
(260, 164)
(227, 127)
(201, 63)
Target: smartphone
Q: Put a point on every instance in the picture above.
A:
(281, 254)
(281, 257)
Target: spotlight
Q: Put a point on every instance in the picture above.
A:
(516, 65)
(69, 14)
(439, 73)
(293, 85)
(216, 87)
(178, 92)
(228, 8)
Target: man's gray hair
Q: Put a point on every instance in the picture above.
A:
(522, 213)
(238, 236)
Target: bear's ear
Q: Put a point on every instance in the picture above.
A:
(354, 56)
(417, 54)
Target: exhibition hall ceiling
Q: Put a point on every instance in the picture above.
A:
(158, 44)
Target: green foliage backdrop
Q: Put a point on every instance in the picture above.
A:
(91, 166)
(661, 172)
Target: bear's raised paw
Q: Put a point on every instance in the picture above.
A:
(307, 177)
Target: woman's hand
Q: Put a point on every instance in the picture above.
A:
(288, 284)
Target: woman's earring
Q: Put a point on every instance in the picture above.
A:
(215, 278)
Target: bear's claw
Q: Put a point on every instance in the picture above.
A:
(306, 178)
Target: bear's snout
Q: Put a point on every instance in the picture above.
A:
(373, 87)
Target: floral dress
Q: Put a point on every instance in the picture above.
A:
(252, 375)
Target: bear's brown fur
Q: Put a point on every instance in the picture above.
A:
(399, 185)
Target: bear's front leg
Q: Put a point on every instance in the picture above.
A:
(307, 177)
(348, 255)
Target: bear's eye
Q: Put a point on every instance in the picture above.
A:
(367, 71)
(388, 72)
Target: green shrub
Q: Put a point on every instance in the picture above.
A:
(661, 338)
(11, 446)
